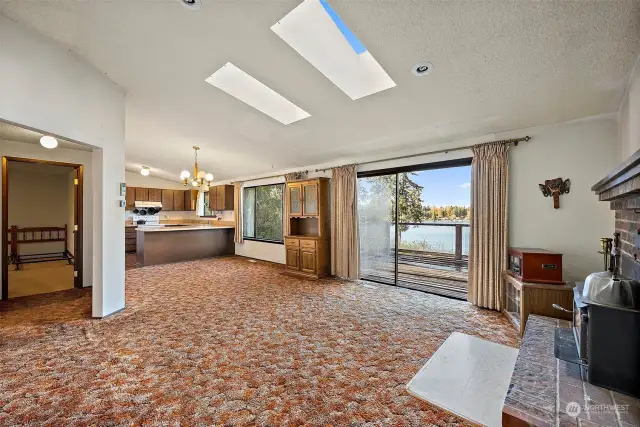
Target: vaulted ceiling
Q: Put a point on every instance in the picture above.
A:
(498, 65)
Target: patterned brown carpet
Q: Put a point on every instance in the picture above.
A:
(228, 342)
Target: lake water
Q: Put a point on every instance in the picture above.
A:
(441, 239)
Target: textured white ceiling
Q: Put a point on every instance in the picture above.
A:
(498, 65)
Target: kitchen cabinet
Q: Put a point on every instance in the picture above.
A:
(142, 194)
(130, 238)
(221, 198)
(167, 200)
(155, 195)
(191, 200)
(130, 198)
(178, 200)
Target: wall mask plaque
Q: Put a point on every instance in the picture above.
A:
(554, 188)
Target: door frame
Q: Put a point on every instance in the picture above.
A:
(464, 161)
(77, 217)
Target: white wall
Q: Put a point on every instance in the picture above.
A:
(46, 87)
(39, 197)
(583, 151)
(629, 126)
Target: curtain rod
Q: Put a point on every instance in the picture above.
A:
(513, 141)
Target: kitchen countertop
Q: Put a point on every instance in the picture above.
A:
(151, 228)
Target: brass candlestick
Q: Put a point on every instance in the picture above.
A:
(606, 245)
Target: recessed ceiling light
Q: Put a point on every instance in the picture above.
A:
(316, 32)
(145, 171)
(242, 86)
(192, 4)
(48, 142)
(422, 68)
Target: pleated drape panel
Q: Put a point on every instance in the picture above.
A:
(237, 211)
(344, 231)
(489, 224)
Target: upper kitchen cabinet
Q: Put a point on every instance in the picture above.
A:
(155, 195)
(167, 200)
(142, 194)
(191, 200)
(178, 200)
(221, 198)
(130, 198)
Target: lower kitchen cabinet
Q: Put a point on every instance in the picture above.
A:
(130, 238)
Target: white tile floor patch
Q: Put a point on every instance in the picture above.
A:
(468, 377)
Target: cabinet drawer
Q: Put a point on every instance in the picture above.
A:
(130, 233)
(308, 244)
(292, 242)
(130, 240)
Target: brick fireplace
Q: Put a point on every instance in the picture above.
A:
(621, 188)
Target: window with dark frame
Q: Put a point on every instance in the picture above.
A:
(262, 213)
(206, 212)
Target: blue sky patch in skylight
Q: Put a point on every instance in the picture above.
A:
(356, 44)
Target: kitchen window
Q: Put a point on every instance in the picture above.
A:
(262, 210)
(206, 210)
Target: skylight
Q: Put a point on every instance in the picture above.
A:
(247, 89)
(316, 32)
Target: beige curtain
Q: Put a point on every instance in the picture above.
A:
(344, 231)
(489, 209)
(237, 211)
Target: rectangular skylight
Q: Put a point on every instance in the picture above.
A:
(317, 33)
(247, 89)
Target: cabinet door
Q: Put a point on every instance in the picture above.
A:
(228, 198)
(308, 261)
(190, 199)
(142, 194)
(130, 197)
(178, 200)
(212, 198)
(167, 200)
(293, 258)
(220, 198)
(294, 199)
(155, 195)
(310, 203)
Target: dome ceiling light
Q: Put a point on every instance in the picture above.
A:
(145, 171)
(201, 179)
(48, 142)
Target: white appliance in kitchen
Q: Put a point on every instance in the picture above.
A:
(147, 213)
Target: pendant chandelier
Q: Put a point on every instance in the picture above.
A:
(201, 179)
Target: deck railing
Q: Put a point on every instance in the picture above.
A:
(458, 243)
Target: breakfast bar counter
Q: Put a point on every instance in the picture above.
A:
(166, 244)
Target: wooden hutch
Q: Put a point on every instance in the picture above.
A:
(307, 228)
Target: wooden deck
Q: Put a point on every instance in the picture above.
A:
(435, 272)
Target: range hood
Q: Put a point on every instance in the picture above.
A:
(621, 187)
(147, 208)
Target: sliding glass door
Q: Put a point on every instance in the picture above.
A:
(421, 242)
(377, 228)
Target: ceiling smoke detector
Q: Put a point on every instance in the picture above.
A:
(192, 4)
(422, 68)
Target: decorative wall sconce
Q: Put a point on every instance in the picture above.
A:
(555, 187)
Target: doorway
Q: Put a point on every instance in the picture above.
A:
(413, 224)
(41, 226)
